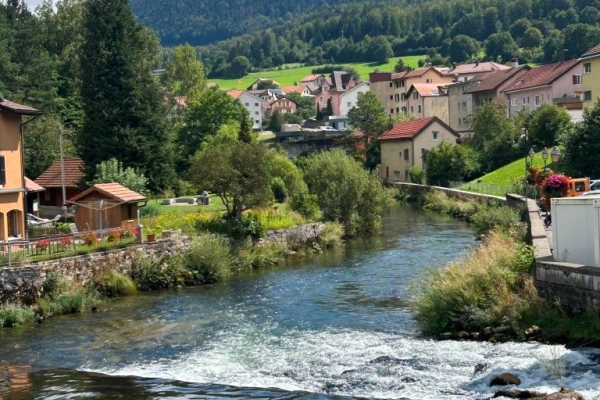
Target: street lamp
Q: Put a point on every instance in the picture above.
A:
(528, 163)
(545, 156)
(555, 154)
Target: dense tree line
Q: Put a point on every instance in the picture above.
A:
(447, 31)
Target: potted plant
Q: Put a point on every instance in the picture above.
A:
(152, 231)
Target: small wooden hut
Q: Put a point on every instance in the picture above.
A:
(105, 206)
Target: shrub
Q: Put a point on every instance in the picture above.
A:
(306, 204)
(249, 256)
(236, 228)
(279, 190)
(210, 258)
(112, 283)
(42, 245)
(276, 218)
(113, 236)
(163, 273)
(129, 233)
(416, 175)
(503, 218)
(65, 243)
(11, 315)
(90, 239)
(332, 235)
(479, 290)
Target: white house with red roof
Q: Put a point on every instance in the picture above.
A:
(542, 85)
(407, 143)
(464, 72)
(252, 103)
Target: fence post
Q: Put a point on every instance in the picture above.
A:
(9, 254)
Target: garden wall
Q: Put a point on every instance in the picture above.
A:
(24, 283)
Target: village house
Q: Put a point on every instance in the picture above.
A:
(256, 85)
(465, 72)
(348, 100)
(52, 201)
(407, 143)
(313, 82)
(13, 213)
(253, 104)
(327, 97)
(283, 105)
(541, 85)
(302, 90)
(465, 96)
(427, 100)
(391, 87)
(590, 76)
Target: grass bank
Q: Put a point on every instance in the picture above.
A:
(489, 294)
(288, 74)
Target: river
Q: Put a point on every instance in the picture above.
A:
(334, 326)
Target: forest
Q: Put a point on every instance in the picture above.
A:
(535, 31)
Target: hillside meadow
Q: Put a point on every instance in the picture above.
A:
(294, 73)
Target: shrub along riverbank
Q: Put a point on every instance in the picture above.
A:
(210, 258)
(489, 294)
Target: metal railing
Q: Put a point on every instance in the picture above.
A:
(21, 252)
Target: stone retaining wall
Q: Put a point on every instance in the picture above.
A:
(414, 188)
(24, 284)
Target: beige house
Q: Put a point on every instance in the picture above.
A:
(427, 100)
(391, 87)
(406, 146)
(12, 179)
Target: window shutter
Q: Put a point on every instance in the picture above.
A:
(2, 171)
(574, 79)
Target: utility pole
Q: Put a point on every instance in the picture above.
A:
(62, 177)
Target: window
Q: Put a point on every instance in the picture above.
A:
(391, 84)
(577, 79)
(412, 109)
(513, 102)
(464, 105)
(419, 109)
(401, 83)
(403, 97)
(397, 110)
(427, 80)
(406, 154)
(256, 121)
(587, 96)
(460, 121)
(435, 135)
(396, 175)
(255, 112)
(406, 174)
(2, 171)
(587, 68)
(536, 101)
(391, 97)
(247, 104)
(391, 110)
(404, 110)
(415, 95)
(349, 104)
(524, 101)
(397, 98)
(255, 104)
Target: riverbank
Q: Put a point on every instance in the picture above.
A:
(78, 284)
(489, 295)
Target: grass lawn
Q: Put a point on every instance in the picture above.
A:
(154, 207)
(293, 73)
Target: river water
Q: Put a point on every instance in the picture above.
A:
(334, 326)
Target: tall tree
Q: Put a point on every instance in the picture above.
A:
(125, 115)
(582, 147)
(185, 74)
(548, 124)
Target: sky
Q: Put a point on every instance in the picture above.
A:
(32, 4)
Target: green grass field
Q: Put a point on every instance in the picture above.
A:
(294, 73)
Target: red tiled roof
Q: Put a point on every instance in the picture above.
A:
(52, 176)
(541, 76)
(235, 93)
(112, 190)
(294, 89)
(407, 129)
(594, 51)
(475, 68)
(426, 89)
(32, 187)
(310, 78)
(17, 108)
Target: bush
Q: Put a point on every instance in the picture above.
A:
(279, 190)
(11, 315)
(112, 283)
(502, 218)
(210, 258)
(163, 273)
(306, 204)
(276, 218)
(250, 257)
(416, 175)
(332, 235)
(236, 228)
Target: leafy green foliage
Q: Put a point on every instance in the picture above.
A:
(416, 175)
(12, 315)
(306, 204)
(210, 257)
(237, 228)
(549, 124)
(112, 284)
(346, 192)
(150, 273)
(113, 171)
(582, 146)
(448, 163)
(279, 190)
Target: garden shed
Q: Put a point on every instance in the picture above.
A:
(105, 206)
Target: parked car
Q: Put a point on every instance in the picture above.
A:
(591, 193)
(327, 128)
(33, 220)
(595, 185)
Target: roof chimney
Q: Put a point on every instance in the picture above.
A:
(564, 54)
(514, 62)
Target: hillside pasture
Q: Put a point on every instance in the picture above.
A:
(288, 74)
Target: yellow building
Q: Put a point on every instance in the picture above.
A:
(406, 146)
(590, 76)
(12, 179)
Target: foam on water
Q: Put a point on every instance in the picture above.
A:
(371, 364)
